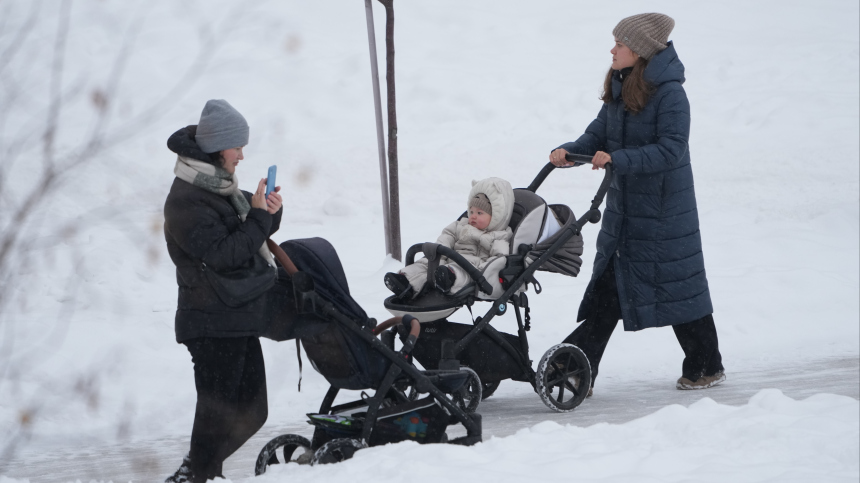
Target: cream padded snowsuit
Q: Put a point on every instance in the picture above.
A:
(476, 246)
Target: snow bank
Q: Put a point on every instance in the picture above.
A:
(772, 438)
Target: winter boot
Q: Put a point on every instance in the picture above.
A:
(183, 474)
(703, 382)
(399, 285)
(444, 277)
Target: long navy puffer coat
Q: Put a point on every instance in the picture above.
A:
(650, 224)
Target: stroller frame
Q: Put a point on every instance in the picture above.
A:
(308, 301)
(550, 374)
(400, 364)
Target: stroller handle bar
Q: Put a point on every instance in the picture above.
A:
(579, 160)
(443, 250)
(576, 159)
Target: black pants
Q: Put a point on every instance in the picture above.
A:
(231, 399)
(698, 338)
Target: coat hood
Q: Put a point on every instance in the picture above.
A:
(662, 68)
(665, 67)
(182, 143)
(501, 196)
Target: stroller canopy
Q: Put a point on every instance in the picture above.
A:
(529, 224)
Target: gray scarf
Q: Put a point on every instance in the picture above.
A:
(217, 180)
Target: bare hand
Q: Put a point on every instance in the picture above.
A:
(258, 200)
(557, 158)
(600, 159)
(274, 201)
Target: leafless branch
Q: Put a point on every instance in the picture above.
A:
(56, 85)
(9, 53)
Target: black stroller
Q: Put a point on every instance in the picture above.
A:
(341, 343)
(563, 375)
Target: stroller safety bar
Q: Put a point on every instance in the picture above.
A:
(473, 272)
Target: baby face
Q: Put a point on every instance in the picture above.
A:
(479, 219)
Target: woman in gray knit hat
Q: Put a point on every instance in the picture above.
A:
(212, 227)
(649, 269)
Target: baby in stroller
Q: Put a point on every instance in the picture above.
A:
(478, 237)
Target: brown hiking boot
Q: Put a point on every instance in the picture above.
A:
(703, 382)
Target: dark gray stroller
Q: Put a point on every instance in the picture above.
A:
(563, 375)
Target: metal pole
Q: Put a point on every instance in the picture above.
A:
(380, 136)
(393, 169)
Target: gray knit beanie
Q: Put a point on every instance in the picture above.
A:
(481, 202)
(646, 34)
(221, 127)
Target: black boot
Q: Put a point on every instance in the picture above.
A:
(444, 277)
(183, 474)
(399, 285)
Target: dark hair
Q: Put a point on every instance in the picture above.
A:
(216, 158)
(635, 91)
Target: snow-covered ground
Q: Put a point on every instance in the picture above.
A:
(484, 89)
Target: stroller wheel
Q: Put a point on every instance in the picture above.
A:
(413, 393)
(337, 450)
(468, 397)
(488, 388)
(563, 377)
(290, 442)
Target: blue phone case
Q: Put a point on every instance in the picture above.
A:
(270, 183)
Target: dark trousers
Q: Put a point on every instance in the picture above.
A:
(698, 338)
(231, 399)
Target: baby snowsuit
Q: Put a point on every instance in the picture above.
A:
(476, 246)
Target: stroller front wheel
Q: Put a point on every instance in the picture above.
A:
(337, 450)
(468, 397)
(290, 443)
(563, 377)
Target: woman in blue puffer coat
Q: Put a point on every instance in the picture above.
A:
(649, 269)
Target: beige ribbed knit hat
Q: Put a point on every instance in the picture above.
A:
(481, 202)
(646, 34)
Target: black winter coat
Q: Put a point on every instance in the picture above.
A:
(203, 227)
(650, 223)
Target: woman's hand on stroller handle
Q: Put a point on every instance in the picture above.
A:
(560, 158)
(600, 160)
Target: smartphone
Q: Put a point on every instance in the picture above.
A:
(270, 183)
